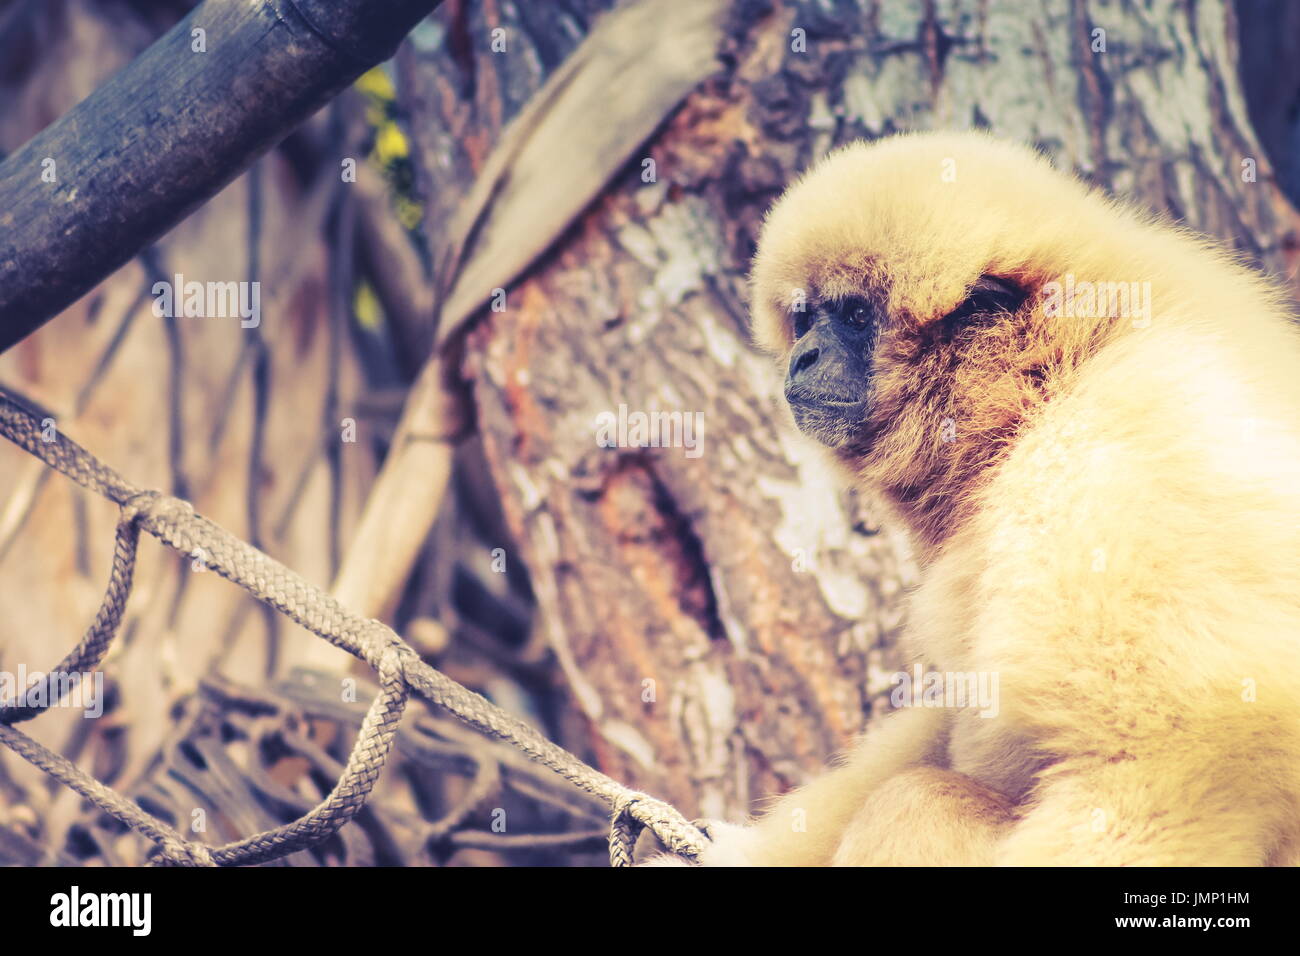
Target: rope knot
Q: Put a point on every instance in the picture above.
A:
(157, 506)
(384, 650)
(624, 828)
(174, 852)
(634, 811)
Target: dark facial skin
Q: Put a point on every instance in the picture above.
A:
(829, 373)
(828, 382)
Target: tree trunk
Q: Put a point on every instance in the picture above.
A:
(726, 620)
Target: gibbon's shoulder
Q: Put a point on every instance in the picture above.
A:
(928, 213)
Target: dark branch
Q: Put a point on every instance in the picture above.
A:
(168, 132)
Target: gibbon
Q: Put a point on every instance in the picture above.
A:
(1089, 421)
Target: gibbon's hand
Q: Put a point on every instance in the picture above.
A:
(729, 845)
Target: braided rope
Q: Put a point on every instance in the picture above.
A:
(400, 670)
(87, 655)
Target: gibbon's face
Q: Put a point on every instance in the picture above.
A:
(899, 283)
(890, 263)
(829, 372)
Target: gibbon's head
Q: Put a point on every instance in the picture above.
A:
(905, 286)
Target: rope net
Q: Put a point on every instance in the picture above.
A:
(399, 669)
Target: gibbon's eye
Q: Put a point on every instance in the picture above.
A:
(855, 313)
(802, 323)
(988, 295)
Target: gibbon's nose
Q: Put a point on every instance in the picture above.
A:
(802, 362)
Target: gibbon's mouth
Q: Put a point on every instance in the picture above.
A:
(796, 396)
(833, 420)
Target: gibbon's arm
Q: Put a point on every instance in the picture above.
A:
(906, 814)
(806, 826)
(886, 805)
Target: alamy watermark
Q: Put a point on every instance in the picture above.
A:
(83, 690)
(1071, 298)
(626, 429)
(977, 690)
(217, 300)
(133, 911)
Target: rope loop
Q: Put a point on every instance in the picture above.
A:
(400, 670)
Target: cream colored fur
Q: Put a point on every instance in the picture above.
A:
(1114, 530)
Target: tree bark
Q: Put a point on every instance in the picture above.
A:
(727, 621)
